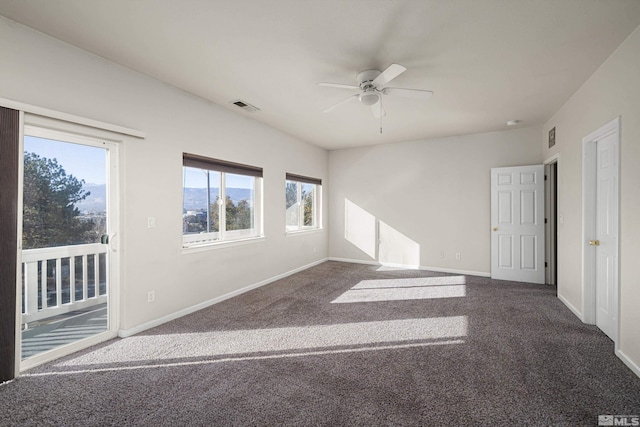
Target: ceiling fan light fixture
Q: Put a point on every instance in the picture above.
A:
(369, 98)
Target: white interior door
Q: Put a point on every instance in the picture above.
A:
(517, 222)
(606, 242)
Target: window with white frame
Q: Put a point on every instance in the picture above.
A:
(222, 201)
(303, 198)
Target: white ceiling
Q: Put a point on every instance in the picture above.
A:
(488, 61)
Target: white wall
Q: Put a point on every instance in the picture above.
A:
(431, 196)
(613, 90)
(41, 71)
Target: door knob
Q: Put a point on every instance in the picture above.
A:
(594, 242)
(495, 229)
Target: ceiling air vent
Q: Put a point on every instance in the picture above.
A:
(245, 106)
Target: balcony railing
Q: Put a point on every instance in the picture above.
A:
(62, 279)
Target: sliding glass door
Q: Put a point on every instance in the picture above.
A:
(66, 254)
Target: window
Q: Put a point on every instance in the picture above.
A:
(303, 196)
(222, 201)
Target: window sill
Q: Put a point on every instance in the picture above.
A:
(202, 247)
(303, 232)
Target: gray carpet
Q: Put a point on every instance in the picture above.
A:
(344, 345)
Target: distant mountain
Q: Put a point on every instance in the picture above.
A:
(96, 201)
(194, 198)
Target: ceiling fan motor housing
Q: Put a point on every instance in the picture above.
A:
(365, 78)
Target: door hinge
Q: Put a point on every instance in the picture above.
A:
(545, 177)
(545, 220)
(545, 264)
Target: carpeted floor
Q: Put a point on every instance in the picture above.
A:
(344, 345)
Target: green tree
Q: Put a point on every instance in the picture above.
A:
(214, 213)
(292, 193)
(237, 217)
(194, 223)
(307, 200)
(50, 217)
(291, 204)
(242, 216)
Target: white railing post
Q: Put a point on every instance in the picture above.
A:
(58, 279)
(106, 273)
(43, 284)
(96, 274)
(72, 279)
(85, 279)
(31, 287)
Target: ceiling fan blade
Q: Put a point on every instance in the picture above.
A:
(338, 85)
(378, 110)
(344, 101)
(408, 93)
(392, 71)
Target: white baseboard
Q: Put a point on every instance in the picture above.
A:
(123, 333)
(413, 267)
(571, 307)
(456, 271)
(354, 261)
(635, 368)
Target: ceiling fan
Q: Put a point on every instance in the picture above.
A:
(372, 85)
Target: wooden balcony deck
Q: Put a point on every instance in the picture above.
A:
(64, 329)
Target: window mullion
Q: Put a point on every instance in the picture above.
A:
(208, 202)
(317, 209)
(222, 213)
(313, 206)
(299, 201)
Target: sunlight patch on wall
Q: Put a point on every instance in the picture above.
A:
(360, 228)
(405, 289)
(379, 240)
(270, 340)
(396, 248)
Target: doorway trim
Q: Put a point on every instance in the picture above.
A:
(70, 118)
(47, 127)
(589, 188)
(551, 202)
(122, 134)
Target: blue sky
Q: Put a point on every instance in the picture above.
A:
(81, 161)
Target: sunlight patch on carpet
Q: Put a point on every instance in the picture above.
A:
(286, 339)
(247, 358)
(405, 289)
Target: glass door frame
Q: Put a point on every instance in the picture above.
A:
(43, 127)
